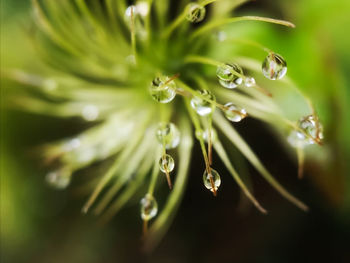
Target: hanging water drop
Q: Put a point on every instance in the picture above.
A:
(230, 75)
(274, 66)
(163, 89)
(129, 12)
(312, 128)
(135, 15)
(149, 207)
(311, 131)
(168, 134)
(166, 163)
(249, 82)
(195, 12)
(211, 179)
(204, 135)
(59, 179)
(203, 104)
(234, 113)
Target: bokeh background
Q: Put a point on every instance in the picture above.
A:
(39, 224)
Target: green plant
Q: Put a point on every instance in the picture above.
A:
(142, 81)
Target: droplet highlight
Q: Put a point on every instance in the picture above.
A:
(163, 89)
(204, 135)
(90, 112)
(229, 75)
(166, 163)
(203, 104)
(249, 82)
(211, 179)
(311, 132)
(168, 135)
(149, 207)
(195, 13)
(274, 66)
(59, 179)
(234, 113)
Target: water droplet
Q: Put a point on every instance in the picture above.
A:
(149, 207)
(142, 8)
(163, 90)
(138, 14)
(229, 75)
(208, 181)
(195, 12)
(312, 131)
(166, 163)
(274, 67)
(129, 10)
(90, 112)
(204, 135)
(168, 134)
(59, 179)
(234, 113)
(249, 82)
(200, 105)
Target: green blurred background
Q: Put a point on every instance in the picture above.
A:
(39, 224)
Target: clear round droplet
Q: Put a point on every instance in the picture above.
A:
(228, 75)
(311, 127)
(312, 130)
(162, 90)
(234, 113)
(249, 82)
(200, 105)
(274, 66)
(59, 179)
(195, 12)
(168, 134)
(215, 178)
(149, 207)
(166, 163)
(129, 10)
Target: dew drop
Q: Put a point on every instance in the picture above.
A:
(274, 67)
(166, 163)
(207, 180)
(59, 179)
(90, 112)
(129, 10)
(168, 134)
(234, 113)
(195, 12)
(312, 131)
(137, 13)
(149, 207)
(200, 105)
(162, 90)
(204, 135)
(229, 75)
(249, 82)
(142, 8)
